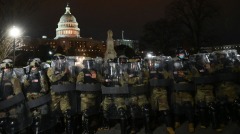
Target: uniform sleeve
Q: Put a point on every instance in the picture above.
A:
(124, 79)
(52, 77)
(25, 81)
(100, 77)
(195, 72)
(80, 77)
(44, 84)
(16, 86)
(146, 76)
(132, 80)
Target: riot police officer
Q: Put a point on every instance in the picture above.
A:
(62, 82)
(160, 80)
(227, 86)
(36, 89)
(139, 104)
(183, 102)
(14, 114)
(88, 83)
(205, 98)
(115, 91)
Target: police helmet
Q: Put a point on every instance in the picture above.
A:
(59, 56)
(122, 59)
(98, 60)
(7, 63)
(34, 62)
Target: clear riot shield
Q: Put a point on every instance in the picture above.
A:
(65, 85)
(231, 54)
(201, 60)
(73, 97)
(160, 67)
(99, 64)
(89, 83)
(115, 83)
(135, 79)
(115, 91)
(134, 69)
(110, 73)
(202, 64)
(218, 57)
(15, 114)
(168, 63)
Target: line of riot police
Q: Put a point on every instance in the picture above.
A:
(63, 97)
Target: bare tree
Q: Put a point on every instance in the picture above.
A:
(13, 12)
(6, 46)
(193, 15)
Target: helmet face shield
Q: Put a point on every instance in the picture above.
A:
(151, 64)
(60, 57)
(113, 69)
(202, 59)
(219, 57)
(59, 62)
(134, 67)
(122, 60)
(231, 55)
(89, 64)
(98, 64)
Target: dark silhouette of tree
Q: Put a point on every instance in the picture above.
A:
(160, 36)
(60, 50)
(124, 50)
(43, 52)
(194, 16)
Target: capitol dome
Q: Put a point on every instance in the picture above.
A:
(67, 26)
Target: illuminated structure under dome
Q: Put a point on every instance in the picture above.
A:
(67, 26)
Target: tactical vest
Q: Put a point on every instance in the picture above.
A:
(7, 89)
(90, 76)
(35, 85)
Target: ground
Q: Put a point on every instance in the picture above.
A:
(231, 128)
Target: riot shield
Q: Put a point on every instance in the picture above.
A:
(46, 119)
(15, 113)
(115, 91)
(110, 72)
(64, 86)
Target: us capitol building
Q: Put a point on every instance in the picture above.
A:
(67, 40)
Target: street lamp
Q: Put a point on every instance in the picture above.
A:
(14, 32)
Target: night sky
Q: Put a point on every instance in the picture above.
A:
(95, 17)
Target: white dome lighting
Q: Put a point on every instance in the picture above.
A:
(67, 26)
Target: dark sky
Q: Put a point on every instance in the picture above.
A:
(95, 17)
